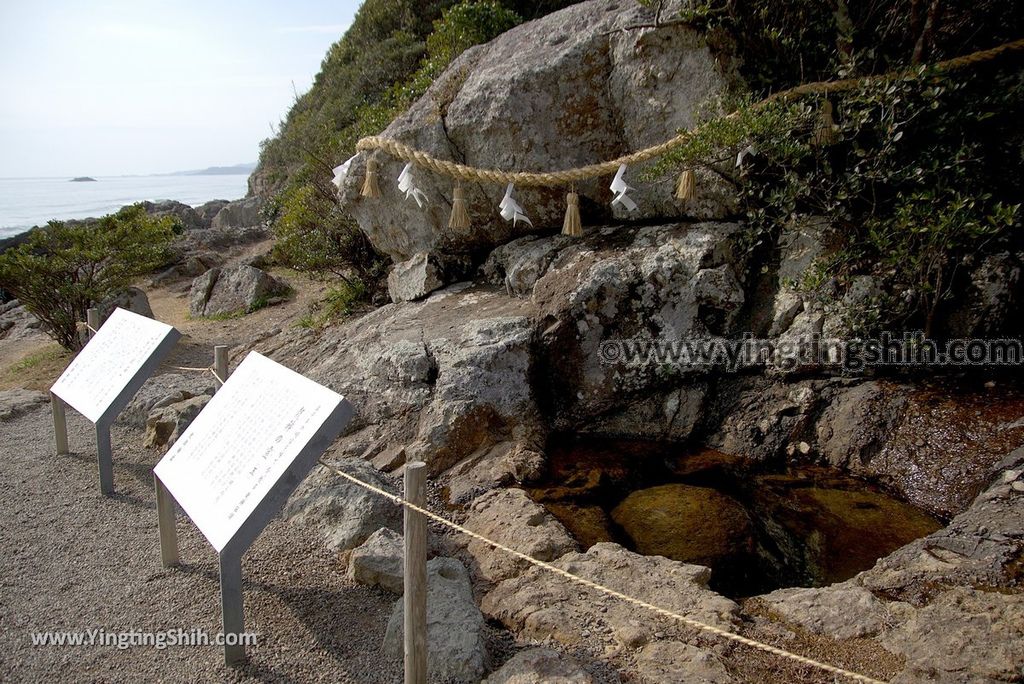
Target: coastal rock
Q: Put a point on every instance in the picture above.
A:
(377, 562)
(456, 647)
(167, 423)
(133, 299)
(232, 290)
(540, 666)
(613, 91)
(690, 524)
(413, 279)
(538, 604)
(186, 216)
(207, 211)
(343, 512)
(243, 213)
(509, 517)
(18, 402)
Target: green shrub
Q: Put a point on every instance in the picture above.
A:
(64, 269)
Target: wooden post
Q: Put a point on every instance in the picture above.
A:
(92, 318)
(220, 363)
(415, 596)
(60, 424)
(232, 611)
(105, 458)
(167, 524)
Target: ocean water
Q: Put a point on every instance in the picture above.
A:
(27, 202)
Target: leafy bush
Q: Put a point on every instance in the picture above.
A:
(66, 268)
(313, 234)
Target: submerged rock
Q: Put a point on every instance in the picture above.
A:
(690, 524)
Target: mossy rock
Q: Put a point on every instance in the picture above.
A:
(690, 524)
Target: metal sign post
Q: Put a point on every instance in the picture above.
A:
(235, 466)
(104, 377)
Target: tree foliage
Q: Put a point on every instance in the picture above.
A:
(65, 268)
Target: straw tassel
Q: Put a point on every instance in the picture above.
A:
(686, 189)
(370, 187)
(460, 216)
(572, 225)
(825, 131)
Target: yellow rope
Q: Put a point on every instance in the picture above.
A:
(664, 612)
(463, 172)
(194, 369)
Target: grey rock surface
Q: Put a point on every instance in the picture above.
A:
(670, 662)
(608, 91)
(232, 290)
(343, 512)
(510, 517)
(377, 562)
(243, 213)
(163, 390)
(540, 666)
(18, 402)
(167, 422)
(413, 279)
(456, 648)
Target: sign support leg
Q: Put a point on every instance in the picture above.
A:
(166, 522)
(231, 608)
(105, 459)
(220, 364)
(415, 594)
(60, 424)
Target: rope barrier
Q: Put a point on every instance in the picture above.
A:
(195, 369)
(664, 612)
(463, 172)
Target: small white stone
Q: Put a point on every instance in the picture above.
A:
(1011, 475)
(1018, 486)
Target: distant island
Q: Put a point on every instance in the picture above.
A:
(83, 179)
(237, 169)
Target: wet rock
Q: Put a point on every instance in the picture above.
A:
(378, 562)
(18, 402)
(413, 279)
(540, 666)
(857, 423)
(538, 604)
(168, 421)
(690, 524)
(232, 290)
(670, 662)
(344, 513)
(619, 90)
(509, 517)
(456, 648)
(588, 525)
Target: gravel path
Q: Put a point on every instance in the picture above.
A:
(71, 560)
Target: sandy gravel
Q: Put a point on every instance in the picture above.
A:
(72, 560)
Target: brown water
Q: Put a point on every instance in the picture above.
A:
(758, 528)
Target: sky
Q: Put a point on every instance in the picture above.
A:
(137, 87)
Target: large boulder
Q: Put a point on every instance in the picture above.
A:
(343, 512)
(456, 647)
(243, 213)
(590, 87)
(185, 215)
(509, 517)
(132, 299)
(233, 290)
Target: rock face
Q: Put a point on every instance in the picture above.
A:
(538, 604)
(669, 662)
(378, 562)
(18, 402)
(16, 323)
(690, 524)
(163, 390)
(243, 213)
(413, 279)
(612, 91)
(343, 512)
(456, 651)
(509, 517)
(234, 290)
(540, 666)
(168, 421)
(133, 299)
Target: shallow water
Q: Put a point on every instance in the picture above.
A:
(758, 527)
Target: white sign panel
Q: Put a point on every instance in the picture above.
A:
(111, 359)
(243, 441)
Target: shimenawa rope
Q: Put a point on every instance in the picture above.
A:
(664, 612)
